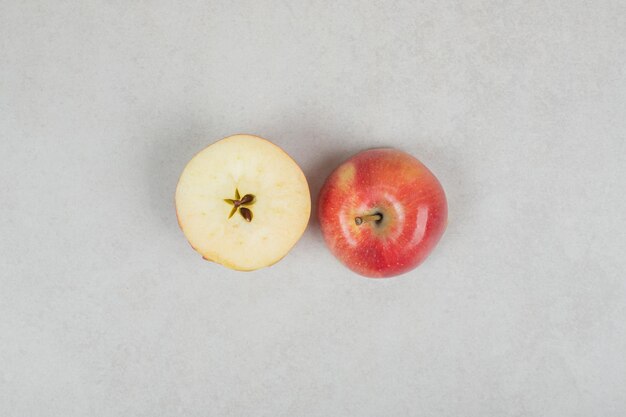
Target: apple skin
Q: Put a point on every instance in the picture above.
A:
(395, 185)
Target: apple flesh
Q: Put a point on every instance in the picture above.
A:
(382, 212)
(243, 202)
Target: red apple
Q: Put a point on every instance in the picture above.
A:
(382, 212)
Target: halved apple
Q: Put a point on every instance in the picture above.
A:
(243, 202)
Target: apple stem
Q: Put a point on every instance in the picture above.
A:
(369, 218)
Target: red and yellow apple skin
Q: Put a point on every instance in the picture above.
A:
(382, 212)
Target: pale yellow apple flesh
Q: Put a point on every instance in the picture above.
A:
(250, 165)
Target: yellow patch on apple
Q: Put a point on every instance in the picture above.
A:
(346, 175)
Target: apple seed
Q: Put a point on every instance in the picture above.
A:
(246, 214)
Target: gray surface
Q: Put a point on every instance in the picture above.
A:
(517, 106)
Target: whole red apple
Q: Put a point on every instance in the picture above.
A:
(382, 212)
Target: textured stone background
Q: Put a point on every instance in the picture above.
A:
(518, 106)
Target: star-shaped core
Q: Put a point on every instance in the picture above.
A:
(241, 204)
